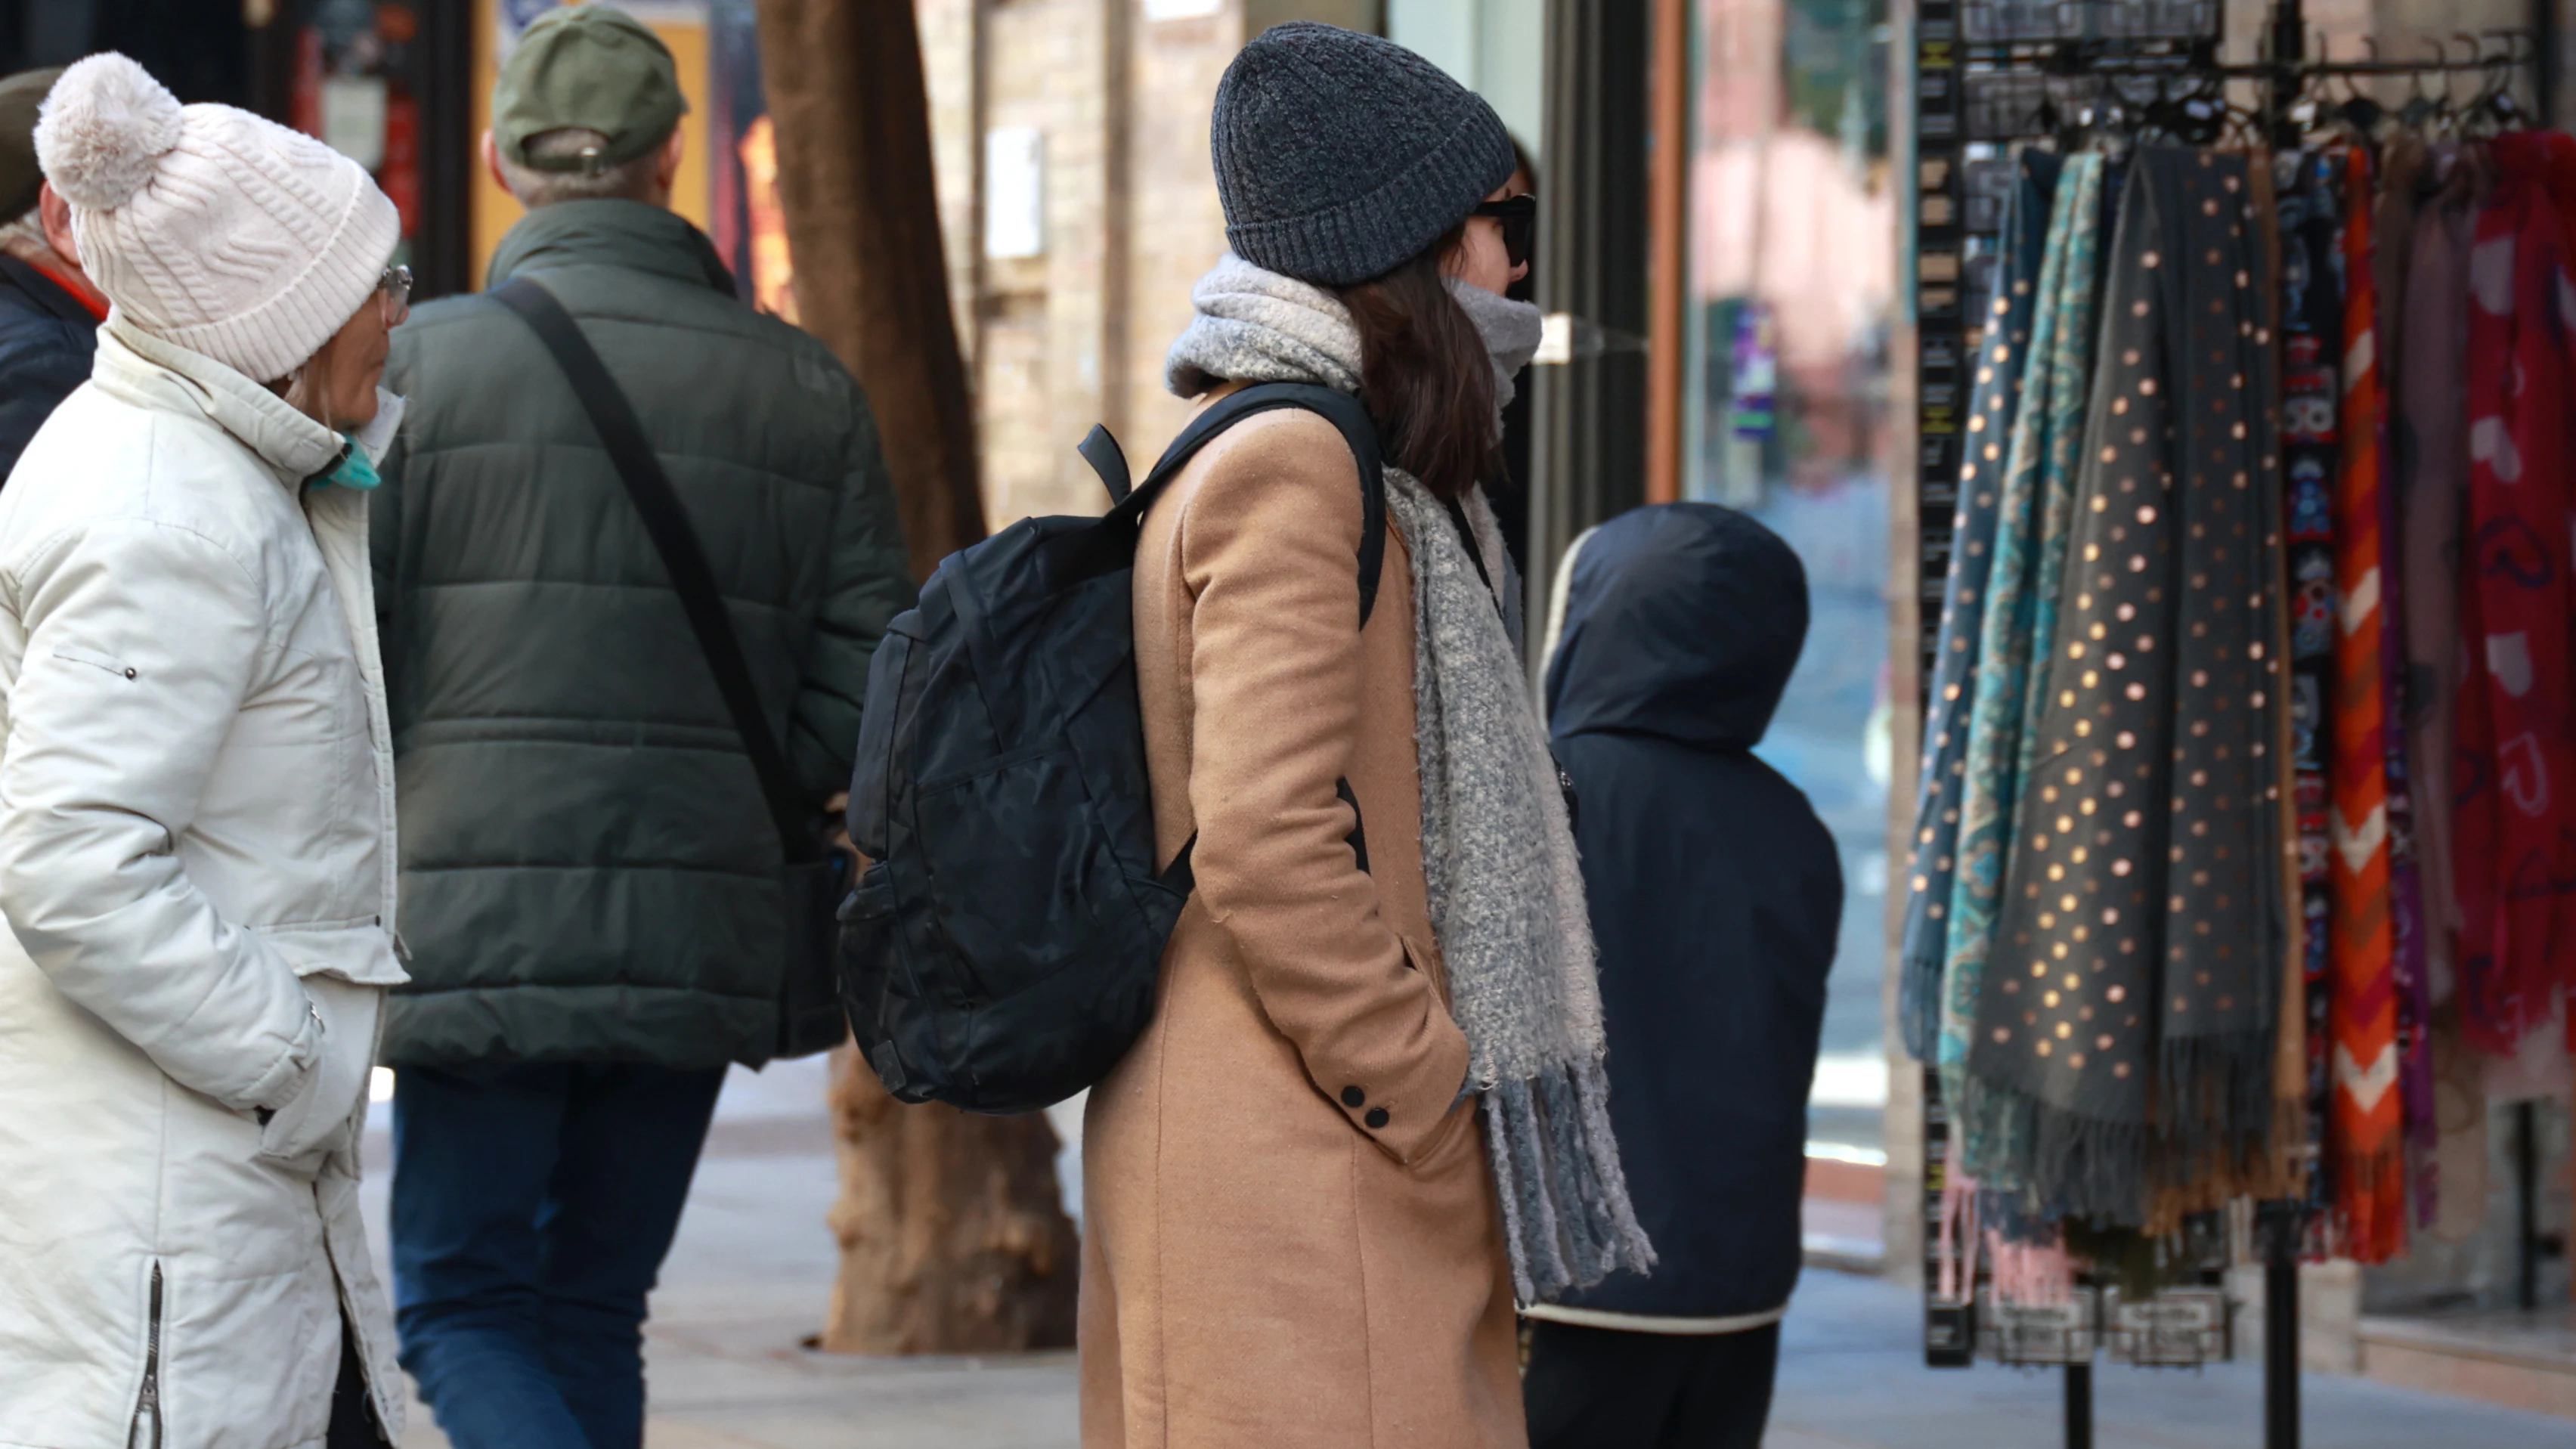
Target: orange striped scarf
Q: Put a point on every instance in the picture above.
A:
(2368, 1126)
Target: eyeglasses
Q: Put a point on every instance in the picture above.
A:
(1518, 217)
(393, 295)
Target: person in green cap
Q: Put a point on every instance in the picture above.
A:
(589, 871)
(49, 311)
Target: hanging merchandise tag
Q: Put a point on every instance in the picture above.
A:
(2177, 1328)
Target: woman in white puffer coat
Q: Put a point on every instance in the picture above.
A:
(196, 800)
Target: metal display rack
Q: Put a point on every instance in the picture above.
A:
(1988, 73)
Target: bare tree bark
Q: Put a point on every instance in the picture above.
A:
(953, 1239)
(846, 95)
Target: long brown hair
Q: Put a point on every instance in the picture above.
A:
(1425, 376)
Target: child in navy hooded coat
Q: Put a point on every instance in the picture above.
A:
(1715, 895)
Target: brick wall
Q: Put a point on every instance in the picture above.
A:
(1076, 334)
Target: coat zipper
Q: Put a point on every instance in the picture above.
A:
(150, 1400)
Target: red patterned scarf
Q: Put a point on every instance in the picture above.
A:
(2513, 760)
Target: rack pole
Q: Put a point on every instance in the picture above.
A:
(2079, 1406)
(2526, 1205)
(2277, 1223)
(2287, 47)
(2544, 69)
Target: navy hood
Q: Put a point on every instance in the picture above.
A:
(1682, 620)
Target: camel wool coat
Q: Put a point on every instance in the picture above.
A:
(1291, 1237)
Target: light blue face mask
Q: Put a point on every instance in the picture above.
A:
(354, 469)
(357, 466)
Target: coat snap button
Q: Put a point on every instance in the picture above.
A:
(1376, 1117)
(1354, 1097)
(129, 674)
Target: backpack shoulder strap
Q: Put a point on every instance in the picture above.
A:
(668, 524)
(1340, 409)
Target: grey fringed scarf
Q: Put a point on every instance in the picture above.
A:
(1505, 889)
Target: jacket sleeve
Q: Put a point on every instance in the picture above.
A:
(868, 583)
(1268, 549)
(39, 367)
(141, 641)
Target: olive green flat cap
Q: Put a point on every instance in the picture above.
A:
(588, 66)
(20, 177)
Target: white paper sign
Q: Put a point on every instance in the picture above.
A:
(353, 118)
(1014, 192)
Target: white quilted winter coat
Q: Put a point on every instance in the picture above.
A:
(197, 871)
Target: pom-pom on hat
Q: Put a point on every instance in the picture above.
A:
(209, 227)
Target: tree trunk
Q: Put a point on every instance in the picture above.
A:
(846, 95)
(952, 1236)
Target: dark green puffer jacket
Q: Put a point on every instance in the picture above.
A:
(587, 865)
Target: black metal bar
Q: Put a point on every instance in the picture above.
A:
(2285, 50)
(2526, 1204)
(2544, 78)
(2187, 70)
(1588, 414)
(443, 77)
(1937, 284)
(2079, 1406)
(2276, 1226)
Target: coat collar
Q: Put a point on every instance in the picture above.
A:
(149, 372)
(610, 233)
(45, 292)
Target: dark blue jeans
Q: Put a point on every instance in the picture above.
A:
(532, 1205)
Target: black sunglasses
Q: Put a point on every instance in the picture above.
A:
(1519, 218)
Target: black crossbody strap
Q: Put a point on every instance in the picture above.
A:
(668, 523)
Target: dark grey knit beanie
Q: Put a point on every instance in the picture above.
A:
(1340, 156)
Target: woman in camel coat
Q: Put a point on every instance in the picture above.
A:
(1292, 1230)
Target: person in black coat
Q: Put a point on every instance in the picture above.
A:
(49, 313)
(1715, 895)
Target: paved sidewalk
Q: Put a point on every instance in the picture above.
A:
(747, 1281)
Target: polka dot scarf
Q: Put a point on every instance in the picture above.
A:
(2125, 1022)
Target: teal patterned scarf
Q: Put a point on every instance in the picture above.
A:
(2033, 512)
(1933, 851)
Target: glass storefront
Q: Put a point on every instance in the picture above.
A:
(1791, 297)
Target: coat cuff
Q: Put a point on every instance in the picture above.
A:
(279, 1082)
(1403, 1107)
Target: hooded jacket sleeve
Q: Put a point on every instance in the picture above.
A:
(1268, 548)
(141, 645)
(870, 582)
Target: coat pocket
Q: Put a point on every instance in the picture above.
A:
(91, 657)
(1460, 1126)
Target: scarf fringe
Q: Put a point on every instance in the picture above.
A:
(1567, 1217)
(2097, 1167)
(2370, 1211)
(2216, 1101)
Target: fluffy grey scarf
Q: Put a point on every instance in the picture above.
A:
(1505, 889)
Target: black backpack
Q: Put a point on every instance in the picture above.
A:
(1001, 953)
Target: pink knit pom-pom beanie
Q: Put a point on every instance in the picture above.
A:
(209, 227)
